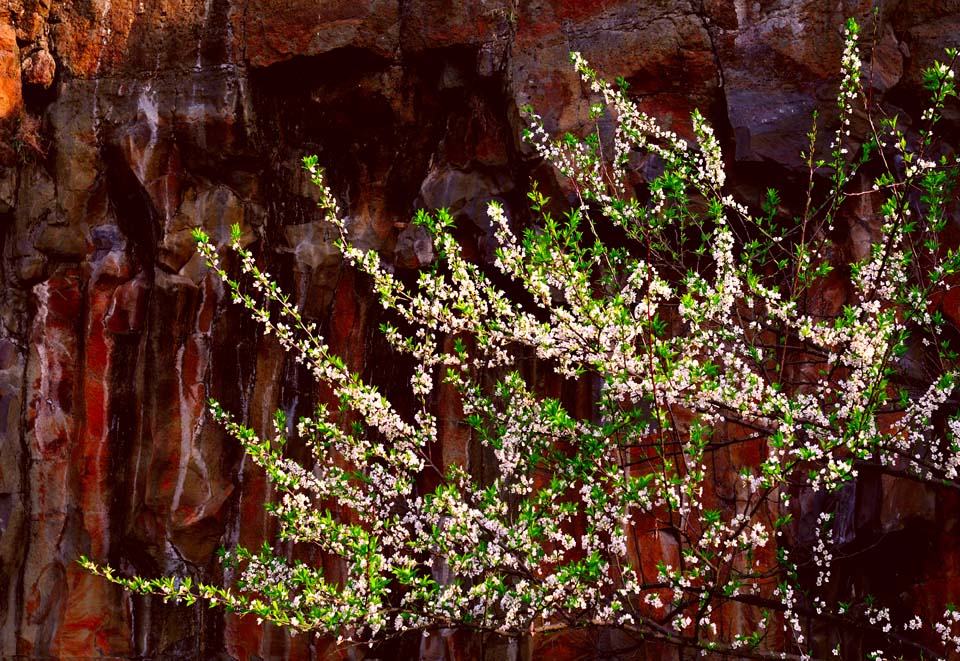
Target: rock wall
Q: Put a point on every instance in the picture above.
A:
(127, 122)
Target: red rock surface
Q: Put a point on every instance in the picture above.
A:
(160, 116)
(10, 87)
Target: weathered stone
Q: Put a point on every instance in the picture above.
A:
(128, 307)
(62, 613)
(8, 188)
(905, 502)
(30, 17)
(887, 58)
(13, 508)
(66, 243)
(277, 32)
(11, 98)
(429, 24)
(465, 194)
(775, 78)
(214, 208)
(39, 68)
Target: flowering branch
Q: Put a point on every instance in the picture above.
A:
(723, 393)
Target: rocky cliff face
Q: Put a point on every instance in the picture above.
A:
(127, 122)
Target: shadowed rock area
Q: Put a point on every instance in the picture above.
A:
(125, 123)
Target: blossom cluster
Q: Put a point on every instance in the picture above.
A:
(722, 392)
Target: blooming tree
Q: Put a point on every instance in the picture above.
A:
(726, 392)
